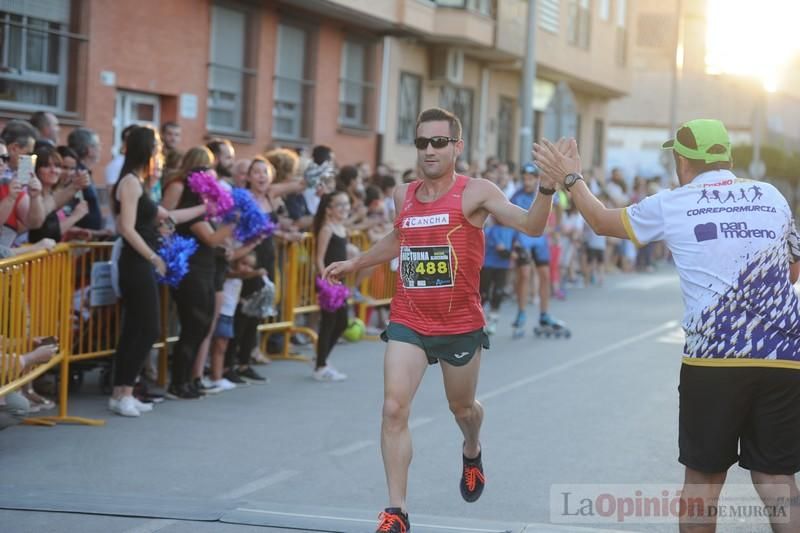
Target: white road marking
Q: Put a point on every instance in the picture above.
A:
(360, 520)
(675, 336)
(258, 484)
(643, 283)
(575, 362)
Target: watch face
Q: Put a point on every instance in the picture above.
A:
(570, 180)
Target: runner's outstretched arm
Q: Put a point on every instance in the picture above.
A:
(384, 250)
(531, 222)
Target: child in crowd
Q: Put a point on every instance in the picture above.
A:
(379, 222)
(331, 237)
(253, 280)
(241, 267)
(496, 263)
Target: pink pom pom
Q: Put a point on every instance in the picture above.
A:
(218, 200)
(331, 296)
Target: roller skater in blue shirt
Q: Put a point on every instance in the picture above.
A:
(536, 249)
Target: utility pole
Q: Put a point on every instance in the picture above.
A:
(526, 97)
(677, 68)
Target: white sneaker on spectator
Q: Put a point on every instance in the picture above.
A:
(141, 406)
(205, 386)
(125, 406)
(223, 384)
(328, 373)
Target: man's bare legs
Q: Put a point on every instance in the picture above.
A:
(771, 489)
(403, 368)
(460, 384)
(700, 487)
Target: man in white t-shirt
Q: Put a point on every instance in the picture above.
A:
(736, 251)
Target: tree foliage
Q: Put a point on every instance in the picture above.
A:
(779, 162)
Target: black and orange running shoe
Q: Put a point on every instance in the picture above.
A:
(472, 479)
(393, 520)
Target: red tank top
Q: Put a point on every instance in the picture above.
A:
(441, 255)
(12, 220)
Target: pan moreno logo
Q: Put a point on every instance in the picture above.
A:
(730, 230)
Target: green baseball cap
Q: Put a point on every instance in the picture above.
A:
(703, 139)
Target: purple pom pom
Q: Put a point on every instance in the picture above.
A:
(331, 296)
(217, 199)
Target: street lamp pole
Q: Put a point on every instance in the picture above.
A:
(526, 96)
(677, 68)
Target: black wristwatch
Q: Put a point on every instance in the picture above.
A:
(546, 191)
(571, 180)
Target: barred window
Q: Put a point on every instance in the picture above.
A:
(505, 128)
(580, 23)
(409, 107)
(39, 54)
(292, 111)
(231, 83)
(355, 89)
(459, 100)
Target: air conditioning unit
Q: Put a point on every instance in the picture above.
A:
(447, 65)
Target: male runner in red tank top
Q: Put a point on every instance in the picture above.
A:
(436, 313)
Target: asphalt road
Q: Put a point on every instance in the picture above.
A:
(599, 409)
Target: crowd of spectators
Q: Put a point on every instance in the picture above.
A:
(142, 195)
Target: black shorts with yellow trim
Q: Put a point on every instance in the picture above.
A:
(457, 350)
(744, 410)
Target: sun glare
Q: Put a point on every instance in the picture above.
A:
(755, 39)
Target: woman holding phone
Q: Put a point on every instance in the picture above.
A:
(49, 170)
(138, 218)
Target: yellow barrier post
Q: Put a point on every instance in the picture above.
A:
(37, 301)
(286, 287)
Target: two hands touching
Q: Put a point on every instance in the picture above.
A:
(556, 161)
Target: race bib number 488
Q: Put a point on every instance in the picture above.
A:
(423, 267)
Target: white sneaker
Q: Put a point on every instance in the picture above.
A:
(125, 406)
(223, 384)
(328, 373)
(141, 406)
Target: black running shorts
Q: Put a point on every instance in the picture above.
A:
(457, 350)
(749, 414)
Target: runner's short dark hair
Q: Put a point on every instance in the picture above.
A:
(435, 114)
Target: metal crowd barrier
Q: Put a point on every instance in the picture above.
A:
(37, 293)
(67, 293)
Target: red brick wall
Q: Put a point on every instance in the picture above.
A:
(349, 146)
(161, 48)
(153, 47)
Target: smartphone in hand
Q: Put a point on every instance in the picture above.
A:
(26, 168)
(49, 341)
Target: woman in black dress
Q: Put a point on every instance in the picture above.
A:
(138, 218)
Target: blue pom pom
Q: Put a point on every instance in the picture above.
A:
(252, 221)
(176, 250)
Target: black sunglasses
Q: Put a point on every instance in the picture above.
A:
(5, 158)
(437, 142)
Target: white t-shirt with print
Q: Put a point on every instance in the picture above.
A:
(732, 241)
